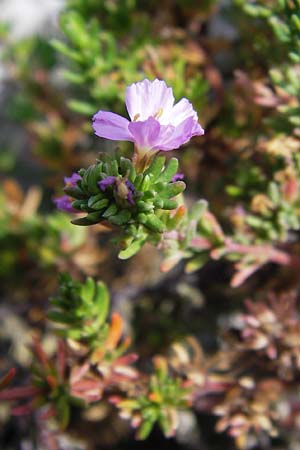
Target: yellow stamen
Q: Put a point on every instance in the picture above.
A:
(158, 114)
(136, 117)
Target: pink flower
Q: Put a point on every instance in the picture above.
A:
(156, 123)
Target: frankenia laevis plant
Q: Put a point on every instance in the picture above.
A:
(137, 195)
(156, 122)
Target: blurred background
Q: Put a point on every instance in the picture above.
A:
(63, 60)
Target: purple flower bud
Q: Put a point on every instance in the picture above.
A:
(108, 181)
(124, 189)
(178, 177)
(72, 180)
(131, 192)
(64, 203)
(130, 186)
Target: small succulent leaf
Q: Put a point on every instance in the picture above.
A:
(156, 167)
(63, 412)
(173, 189)
(144, 430)
(131, 250)
(169, 171)
(75, 192)
(196, 263)
(103, 300)
(146, 183)
(92, 218)
(101, 204)
(198, 209)
(153, 223)
(88, 290)
(62, 317)
(121, 218)
(144, 207)
(165, 204)
(110, 211)
(94, 199)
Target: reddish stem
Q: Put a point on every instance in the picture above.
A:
(267, 252)
(16, 393)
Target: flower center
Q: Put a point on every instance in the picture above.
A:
(158, 113)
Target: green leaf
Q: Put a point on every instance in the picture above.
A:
(274, 193)
(173, 189)
(296, 21)
(138, 181)
(254, 221)
(144, 207)
(74, 192)
(196, 263)
(121, 218)
(295, 57)
(127, 169)
(198, 209)
(144, 430)
(66, 51)
(103, 300)
(152, 222)
(110, 211)
(88, 290)
(169, 171)
(90, 180)
(82, 107)
(79, 204)
(73, 77)
(114, 168)
(165, 204)
(62, 317)
(94, 199)
(90, 219)
(156, 167)
(146, 183)
(165, 424)
(63, 412)
(131, 250)
(101, 204)
(233, 190)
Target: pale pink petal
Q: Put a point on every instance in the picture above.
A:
(109, 125)
(181, 111)
(149, 99)
(145, 134)
(157, 124)
(180, 135)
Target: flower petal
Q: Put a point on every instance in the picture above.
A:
(145, 134)
(157, 124)
(181, 111)
(149, 99)
(109, 125)
(180, 135)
